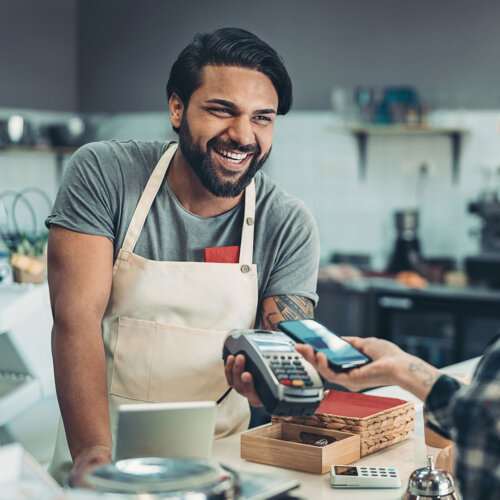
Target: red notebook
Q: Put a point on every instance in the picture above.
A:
(353, 404)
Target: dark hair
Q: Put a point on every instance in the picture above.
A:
(228, 47)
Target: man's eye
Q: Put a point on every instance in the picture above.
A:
(221, 111)
(263, 118)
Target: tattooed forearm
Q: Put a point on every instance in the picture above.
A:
(429, 377)
(285, 307)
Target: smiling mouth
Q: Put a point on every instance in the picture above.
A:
(232, 156)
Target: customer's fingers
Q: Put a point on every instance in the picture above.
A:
(307, 351)
(446, 459)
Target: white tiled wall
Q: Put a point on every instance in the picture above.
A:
(314, 161)
(318, 164)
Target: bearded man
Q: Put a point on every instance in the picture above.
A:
(157, 250)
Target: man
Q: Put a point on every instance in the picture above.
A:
(470, 415)
(156, 250)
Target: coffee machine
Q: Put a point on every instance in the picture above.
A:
(406, 255)
(484, 269)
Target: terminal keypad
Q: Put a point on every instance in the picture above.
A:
(289, 370)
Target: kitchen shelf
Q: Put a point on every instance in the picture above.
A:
(362, 132)
(58, 152)
(26, 373)
(16, 395)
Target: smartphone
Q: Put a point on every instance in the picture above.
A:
(341, 355)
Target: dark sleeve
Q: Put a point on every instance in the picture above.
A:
(86, 201)
(438, 408)
(472, 418)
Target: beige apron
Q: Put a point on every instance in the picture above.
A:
(165, 324)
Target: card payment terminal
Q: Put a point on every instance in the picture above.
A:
(286, 383)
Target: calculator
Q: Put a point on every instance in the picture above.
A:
(349, 476)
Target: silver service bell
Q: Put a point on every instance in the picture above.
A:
(429, 482)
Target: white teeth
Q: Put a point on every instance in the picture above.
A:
(235, 157)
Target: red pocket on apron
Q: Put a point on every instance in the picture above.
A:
(222, 255)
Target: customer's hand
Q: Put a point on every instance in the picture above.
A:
(386, 358)
(390, 366)
(88, 459)
(445, 459)
(240, 380)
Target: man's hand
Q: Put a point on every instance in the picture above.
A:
(240, 380)
(88, 459)
(274, 310)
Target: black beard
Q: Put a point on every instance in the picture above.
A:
(201, 162)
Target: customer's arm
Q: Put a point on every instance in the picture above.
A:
(470, 414)
(80, 274)
(474, 413)
(390, 366)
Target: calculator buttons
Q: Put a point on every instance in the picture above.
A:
(297, 383)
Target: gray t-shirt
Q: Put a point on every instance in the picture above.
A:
(102, 186)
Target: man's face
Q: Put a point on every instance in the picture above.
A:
(227, 129)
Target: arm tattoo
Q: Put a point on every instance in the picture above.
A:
(288, 307)
(420, 367)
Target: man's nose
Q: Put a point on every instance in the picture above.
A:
(241, 131)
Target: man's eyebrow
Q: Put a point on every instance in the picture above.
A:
(223, 102)
(231, 105)
(266, 111)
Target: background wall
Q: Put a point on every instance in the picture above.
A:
(115, 55)
(446, 49)
(38, 54)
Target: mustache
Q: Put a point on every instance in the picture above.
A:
(233, 146)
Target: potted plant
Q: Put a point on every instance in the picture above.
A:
(28, 249)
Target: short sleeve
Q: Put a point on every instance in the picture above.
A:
(295, 270)
(87, 200)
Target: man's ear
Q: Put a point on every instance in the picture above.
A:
(176, 110)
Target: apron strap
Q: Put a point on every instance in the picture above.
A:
(147, 198)
(150, 192)
(247, 231)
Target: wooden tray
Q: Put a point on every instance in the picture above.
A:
(379, 422)
(279, 444)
